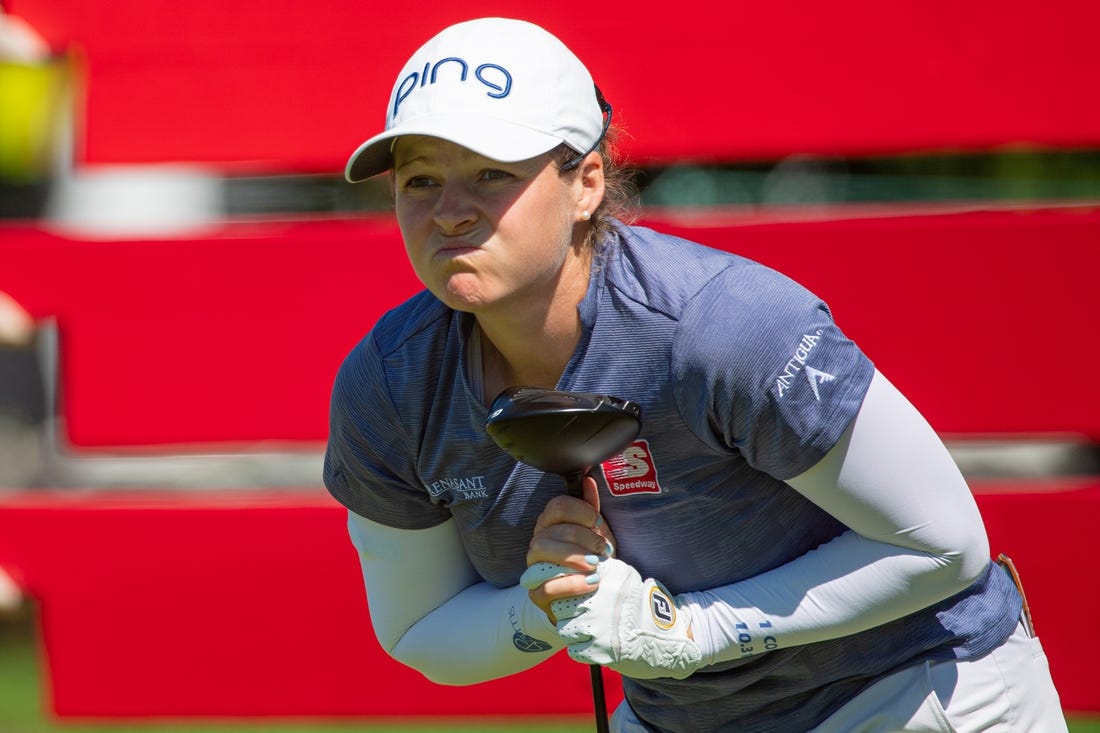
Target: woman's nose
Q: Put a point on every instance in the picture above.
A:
(455, 207)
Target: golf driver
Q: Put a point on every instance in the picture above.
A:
(565, 433)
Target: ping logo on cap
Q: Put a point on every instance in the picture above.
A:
(662, 608)
(495, 78)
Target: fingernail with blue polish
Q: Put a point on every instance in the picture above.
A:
(609, 551)
(591, 559)
(592, 579)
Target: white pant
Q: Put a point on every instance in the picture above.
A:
(1007, 691)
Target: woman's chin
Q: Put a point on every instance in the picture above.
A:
(461, 297)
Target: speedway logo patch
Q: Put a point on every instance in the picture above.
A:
(632, 471)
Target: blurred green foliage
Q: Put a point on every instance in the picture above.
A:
(1003, 176)
(1010, 175)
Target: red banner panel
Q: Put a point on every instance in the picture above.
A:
(247, 603)
(983, 318)
(278, 85)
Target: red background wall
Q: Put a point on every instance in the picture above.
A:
(250, 604)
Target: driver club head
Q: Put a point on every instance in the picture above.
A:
(562, 432)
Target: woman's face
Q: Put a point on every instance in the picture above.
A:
(484, 235)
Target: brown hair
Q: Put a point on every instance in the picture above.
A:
(620, 195)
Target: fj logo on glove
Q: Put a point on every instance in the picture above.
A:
(664, 610)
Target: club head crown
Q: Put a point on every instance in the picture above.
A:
(562, 432)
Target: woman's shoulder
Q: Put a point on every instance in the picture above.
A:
(413, 332)
(670, 273)
(398, 327)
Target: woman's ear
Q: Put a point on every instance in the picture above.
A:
(591, 181)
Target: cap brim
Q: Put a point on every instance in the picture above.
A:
(490, 137)
(370, 158)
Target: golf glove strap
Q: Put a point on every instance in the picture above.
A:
(535, 575)
(631, 626)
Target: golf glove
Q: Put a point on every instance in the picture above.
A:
(540, 572)
(629, 625)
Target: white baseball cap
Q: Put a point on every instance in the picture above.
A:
(506, 89)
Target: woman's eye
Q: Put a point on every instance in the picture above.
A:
(419, 182)
(495, 174)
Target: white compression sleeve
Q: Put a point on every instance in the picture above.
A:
(431, 611)
(916, 538)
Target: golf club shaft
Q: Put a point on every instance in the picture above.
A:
(574, 484)
(598, 698)
(574, 487)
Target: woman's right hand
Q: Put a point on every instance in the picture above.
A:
(571, 536)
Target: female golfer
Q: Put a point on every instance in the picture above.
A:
(787, 546)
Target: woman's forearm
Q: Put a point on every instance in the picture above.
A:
(431, 611)
(916, 538)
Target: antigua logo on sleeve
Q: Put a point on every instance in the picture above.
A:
(797, 364)
(632, 471)
(817, 377)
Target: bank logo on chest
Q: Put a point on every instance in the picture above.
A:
(632, 471)
(462, 488)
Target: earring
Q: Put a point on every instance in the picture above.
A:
(585, 215)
